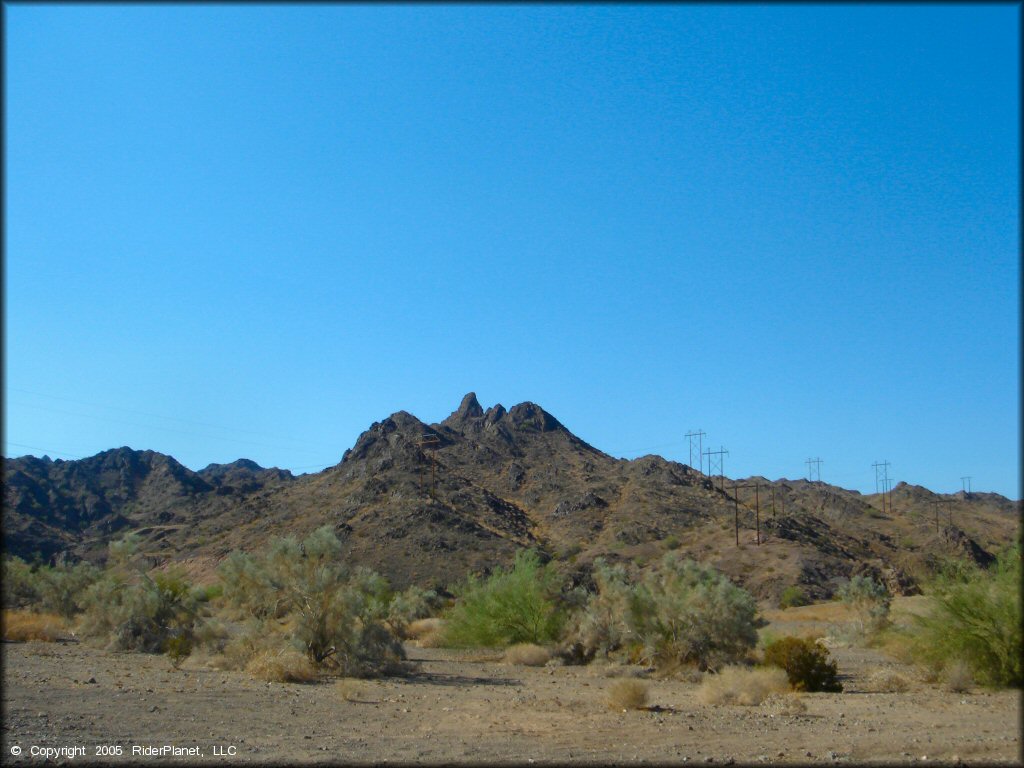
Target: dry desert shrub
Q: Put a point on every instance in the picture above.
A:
(887, 681)
(23, 626)
(254, 638)
(957, 677)
(527, 655)
(627, 693)
(784, 703)
(350, 689)
(425, 632)
(285, 665)
(742, 685)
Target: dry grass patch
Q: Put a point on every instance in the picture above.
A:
(742, 685)
(25, 626)
(282, 666)
(887, 681)
(628, 693)
(426, 633)
(350, 689)
(828, 612)
(527, 655)
(417, 629)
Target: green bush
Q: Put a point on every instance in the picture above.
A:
(684, 613)
(976, 619)
(870, 602)
(515, 605)
(806, 663)
(792, 597)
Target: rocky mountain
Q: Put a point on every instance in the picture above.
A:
(427, 503)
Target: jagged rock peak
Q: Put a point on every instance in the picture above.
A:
(469, 408)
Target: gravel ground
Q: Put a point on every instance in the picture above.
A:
(466, 708)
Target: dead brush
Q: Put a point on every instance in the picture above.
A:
(282, 666)
(426, 633)
(20, 626)
(744, 686)
(350, 689)
(887, 681)
(627, 693)
(527, 655)
(957, 677)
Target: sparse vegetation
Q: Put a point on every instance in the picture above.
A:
(869, 601)
(527, 655)
(792, 597)
(282, 665)
(747, 686)
(957, 677)
(887, 681)
(806, 663)
(975, 621)
(515, 605)
(628, 693)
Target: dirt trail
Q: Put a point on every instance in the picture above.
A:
(460, 707)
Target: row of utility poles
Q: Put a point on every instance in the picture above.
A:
(716, 461)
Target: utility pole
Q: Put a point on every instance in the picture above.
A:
(817, 470)
(736, 508)
(967, 486)
(699, 434)
(936, 503)
(757, 511)
(882, 476)
(432, 440)
(721, 465)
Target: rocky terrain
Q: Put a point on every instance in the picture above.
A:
(427, 503)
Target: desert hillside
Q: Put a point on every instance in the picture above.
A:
(427, 503)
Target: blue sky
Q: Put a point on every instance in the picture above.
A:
(253, 230)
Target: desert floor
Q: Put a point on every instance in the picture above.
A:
(469, 707)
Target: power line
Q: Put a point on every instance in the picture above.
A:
(144, 413)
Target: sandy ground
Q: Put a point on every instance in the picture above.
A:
(467, 708)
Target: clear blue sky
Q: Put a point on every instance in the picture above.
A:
(253, 230)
